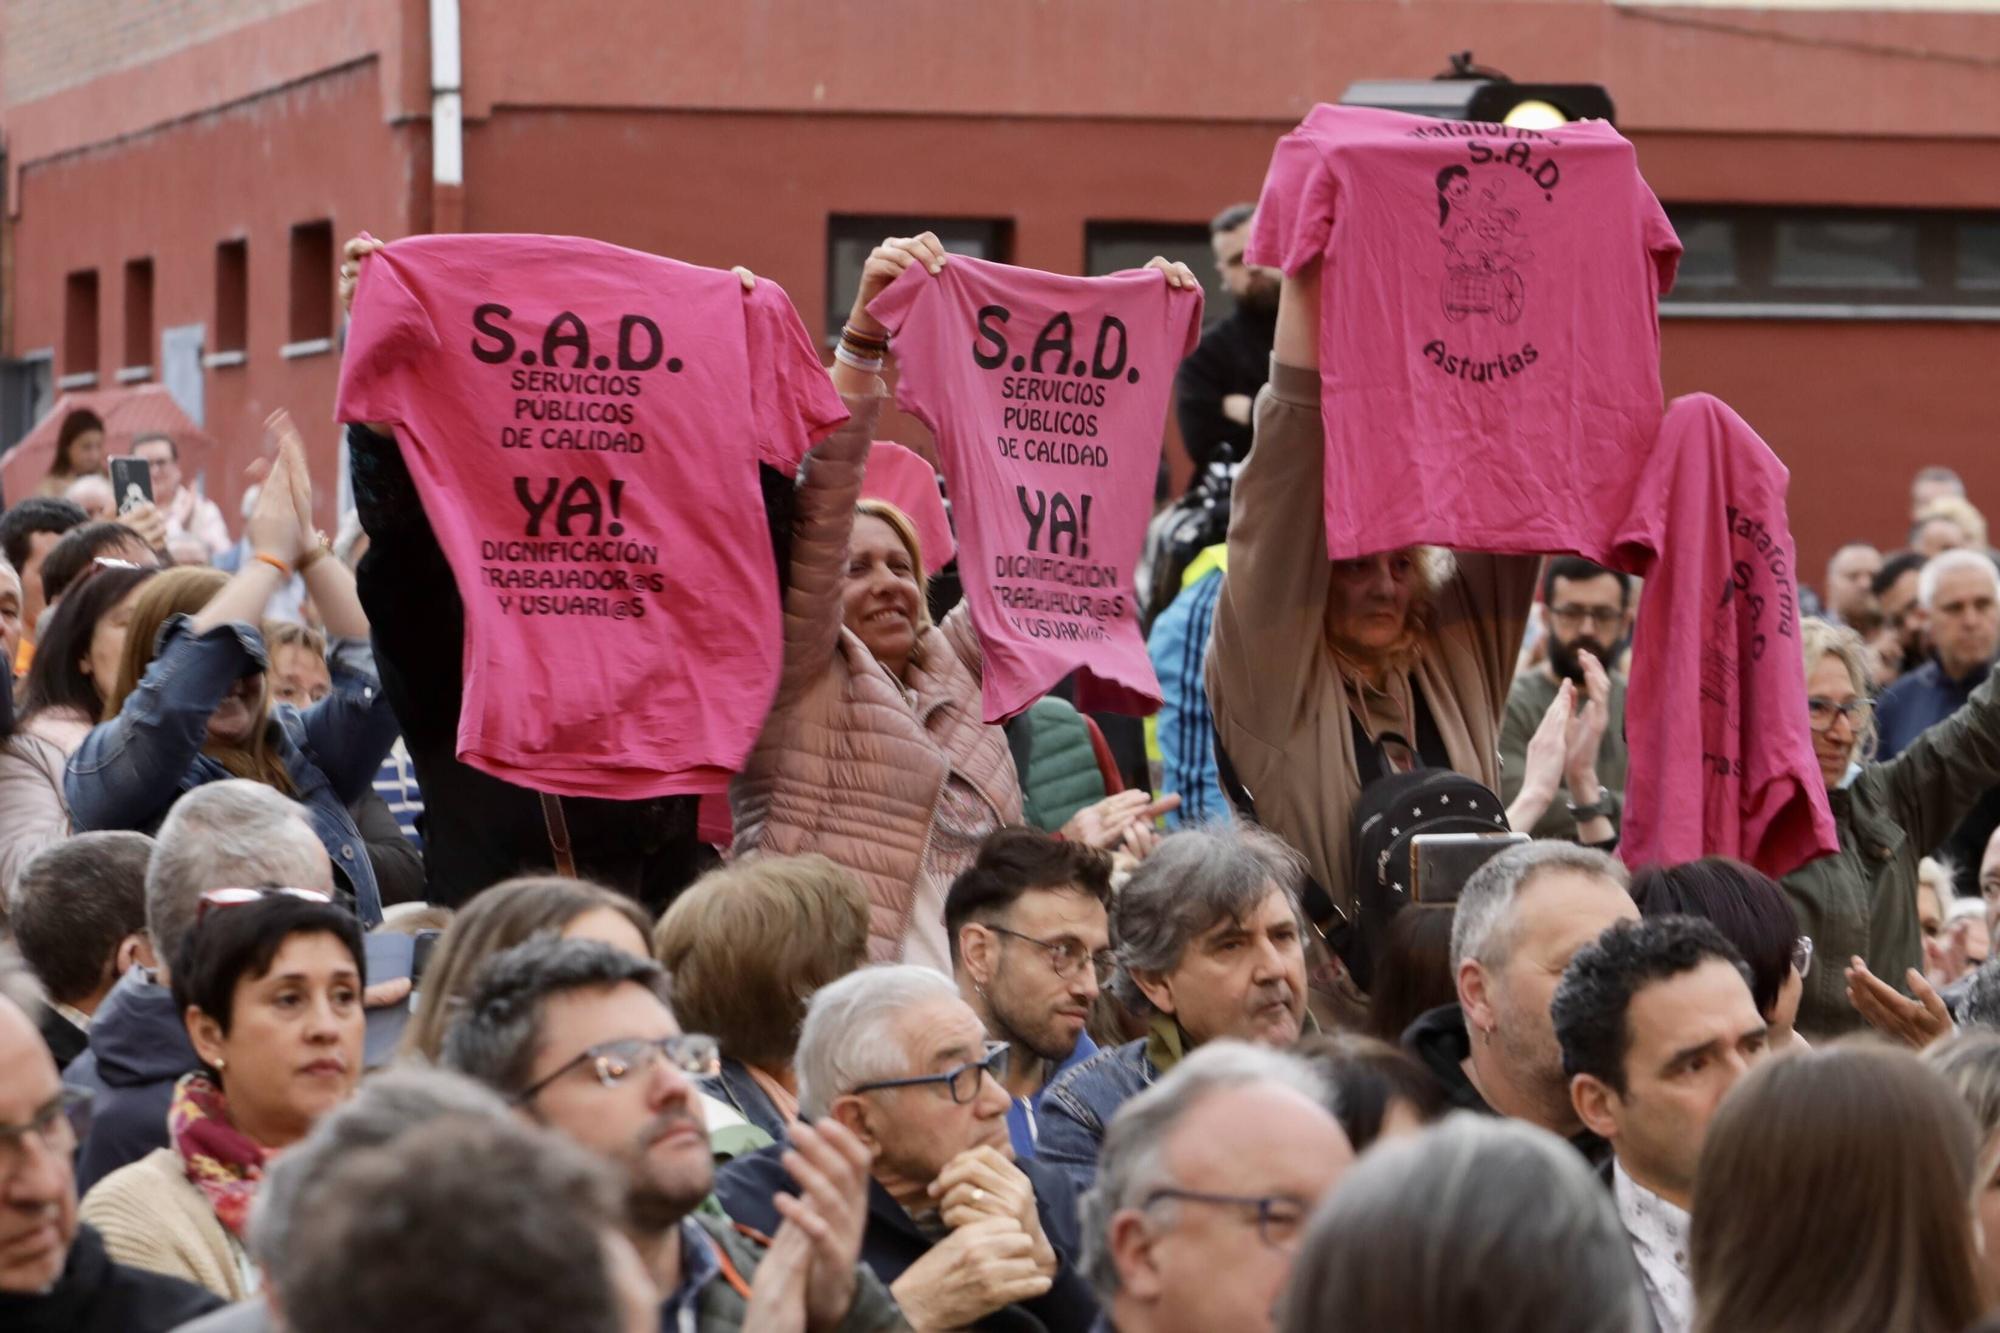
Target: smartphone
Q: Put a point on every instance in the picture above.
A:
(131, 481)
(420, 955)
(1440, 863)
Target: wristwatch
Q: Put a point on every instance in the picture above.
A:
(1603, 807)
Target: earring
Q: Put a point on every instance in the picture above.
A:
(218, 1064)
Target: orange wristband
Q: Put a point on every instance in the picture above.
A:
(275, 563)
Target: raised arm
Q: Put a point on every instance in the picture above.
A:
(1933, 783)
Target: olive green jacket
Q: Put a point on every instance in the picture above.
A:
(1862, 900)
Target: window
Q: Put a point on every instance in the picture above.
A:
(79, 359)
(1836, 263)
(311, 324)
(138, 360)
(850, 238)
(1109, 247)
(232, 302)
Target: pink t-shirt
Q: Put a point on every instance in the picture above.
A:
(1490, 344)
(585, 425)
(904, 478)
(1722, 762)
(1048, 396)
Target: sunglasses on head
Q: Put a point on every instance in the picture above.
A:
(217, 899)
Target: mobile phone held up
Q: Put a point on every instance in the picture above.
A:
(131, 482)
(1440, 863)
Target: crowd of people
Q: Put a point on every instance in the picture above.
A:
(936, 1023)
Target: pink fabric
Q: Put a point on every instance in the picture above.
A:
(585, 425)
(1722, 761)
(1490, 336)
(905, 479)
(1047, 395)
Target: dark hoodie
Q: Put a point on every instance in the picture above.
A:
(94, 1295)
(138, 1049)
(1442, 1045)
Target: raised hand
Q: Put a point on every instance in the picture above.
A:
(885, 264)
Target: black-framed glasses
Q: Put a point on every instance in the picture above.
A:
(1279, 1216)
(216, 899)
(963, 1082)
(1824, 712)
(55, 1125)
(612, 1062)
(1067, 955)
(1600, 617)
(1802, 954)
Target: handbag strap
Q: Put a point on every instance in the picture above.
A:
(558, 827)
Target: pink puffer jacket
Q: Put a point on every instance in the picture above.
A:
(847, 765)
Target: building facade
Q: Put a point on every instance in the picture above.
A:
(180, 174)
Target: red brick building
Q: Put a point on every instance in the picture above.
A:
(180, 172)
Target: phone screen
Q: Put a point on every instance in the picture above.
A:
(131, 482)
(1440, 863)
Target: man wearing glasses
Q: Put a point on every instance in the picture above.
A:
(963, 1235)
(1194, 1222)
(1588, 612)
(576, 1035)
(1657, 1023)
(54, 1273)
(1030, 947)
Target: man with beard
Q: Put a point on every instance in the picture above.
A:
(1210, 942)
(575, 1034)
(1899, 640)
(1221, 376)
(1030, 946)
(1589, 615)
(1520, 919)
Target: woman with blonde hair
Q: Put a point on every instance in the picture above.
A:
(1859, 905)
(191, 703)
(875, 752)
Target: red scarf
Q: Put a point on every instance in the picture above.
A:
(221, 1161)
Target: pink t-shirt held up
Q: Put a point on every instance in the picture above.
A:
(1722, 762)
(904, 478)
(585, 424)
(1048, 396)
(1490, 335)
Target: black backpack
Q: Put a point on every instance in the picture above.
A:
(1393, 810)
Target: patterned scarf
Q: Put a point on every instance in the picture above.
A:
(221, 1160)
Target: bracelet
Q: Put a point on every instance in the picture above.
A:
(868, 365)
(315, 555)
(864, 341)
(283, 569)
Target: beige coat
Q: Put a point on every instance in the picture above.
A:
(151, 1216)
(1280, 704)
(32, 812)
(848, 765)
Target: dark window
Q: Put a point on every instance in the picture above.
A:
(850, 238)
(80, 324)
(1873, 258)
(232, 296)
(1109, 247)
(138, 312)
(312, 282)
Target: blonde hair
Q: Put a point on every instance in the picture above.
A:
(906, 533)
(1959, 510)
(1819, 638)
(184, 591)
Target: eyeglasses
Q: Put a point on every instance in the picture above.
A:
(1067, 955)
(1824, 711)
(1600, 617)
(1279, 1216)
(54, 1127)
(613, 1062)
(964, 1082)
(217, 899)
(1802, 954)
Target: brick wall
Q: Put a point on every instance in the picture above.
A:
(50, 45)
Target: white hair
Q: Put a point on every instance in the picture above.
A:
(1950, 562)
(847, 1038)
(1481, 929)
(1131, 1164)
(231, 834)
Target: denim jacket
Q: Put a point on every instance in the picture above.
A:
(130, 770)
(1078, 1105)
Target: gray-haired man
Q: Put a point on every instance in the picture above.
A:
(1210, 943)
(1193, 1222)
(1521, 917)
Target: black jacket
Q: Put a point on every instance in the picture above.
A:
(1234, 356)
(1441, 1044)
(65, 1039)
(139, 1048)
(745, 1186)
(94, 1295)
(477, 829)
